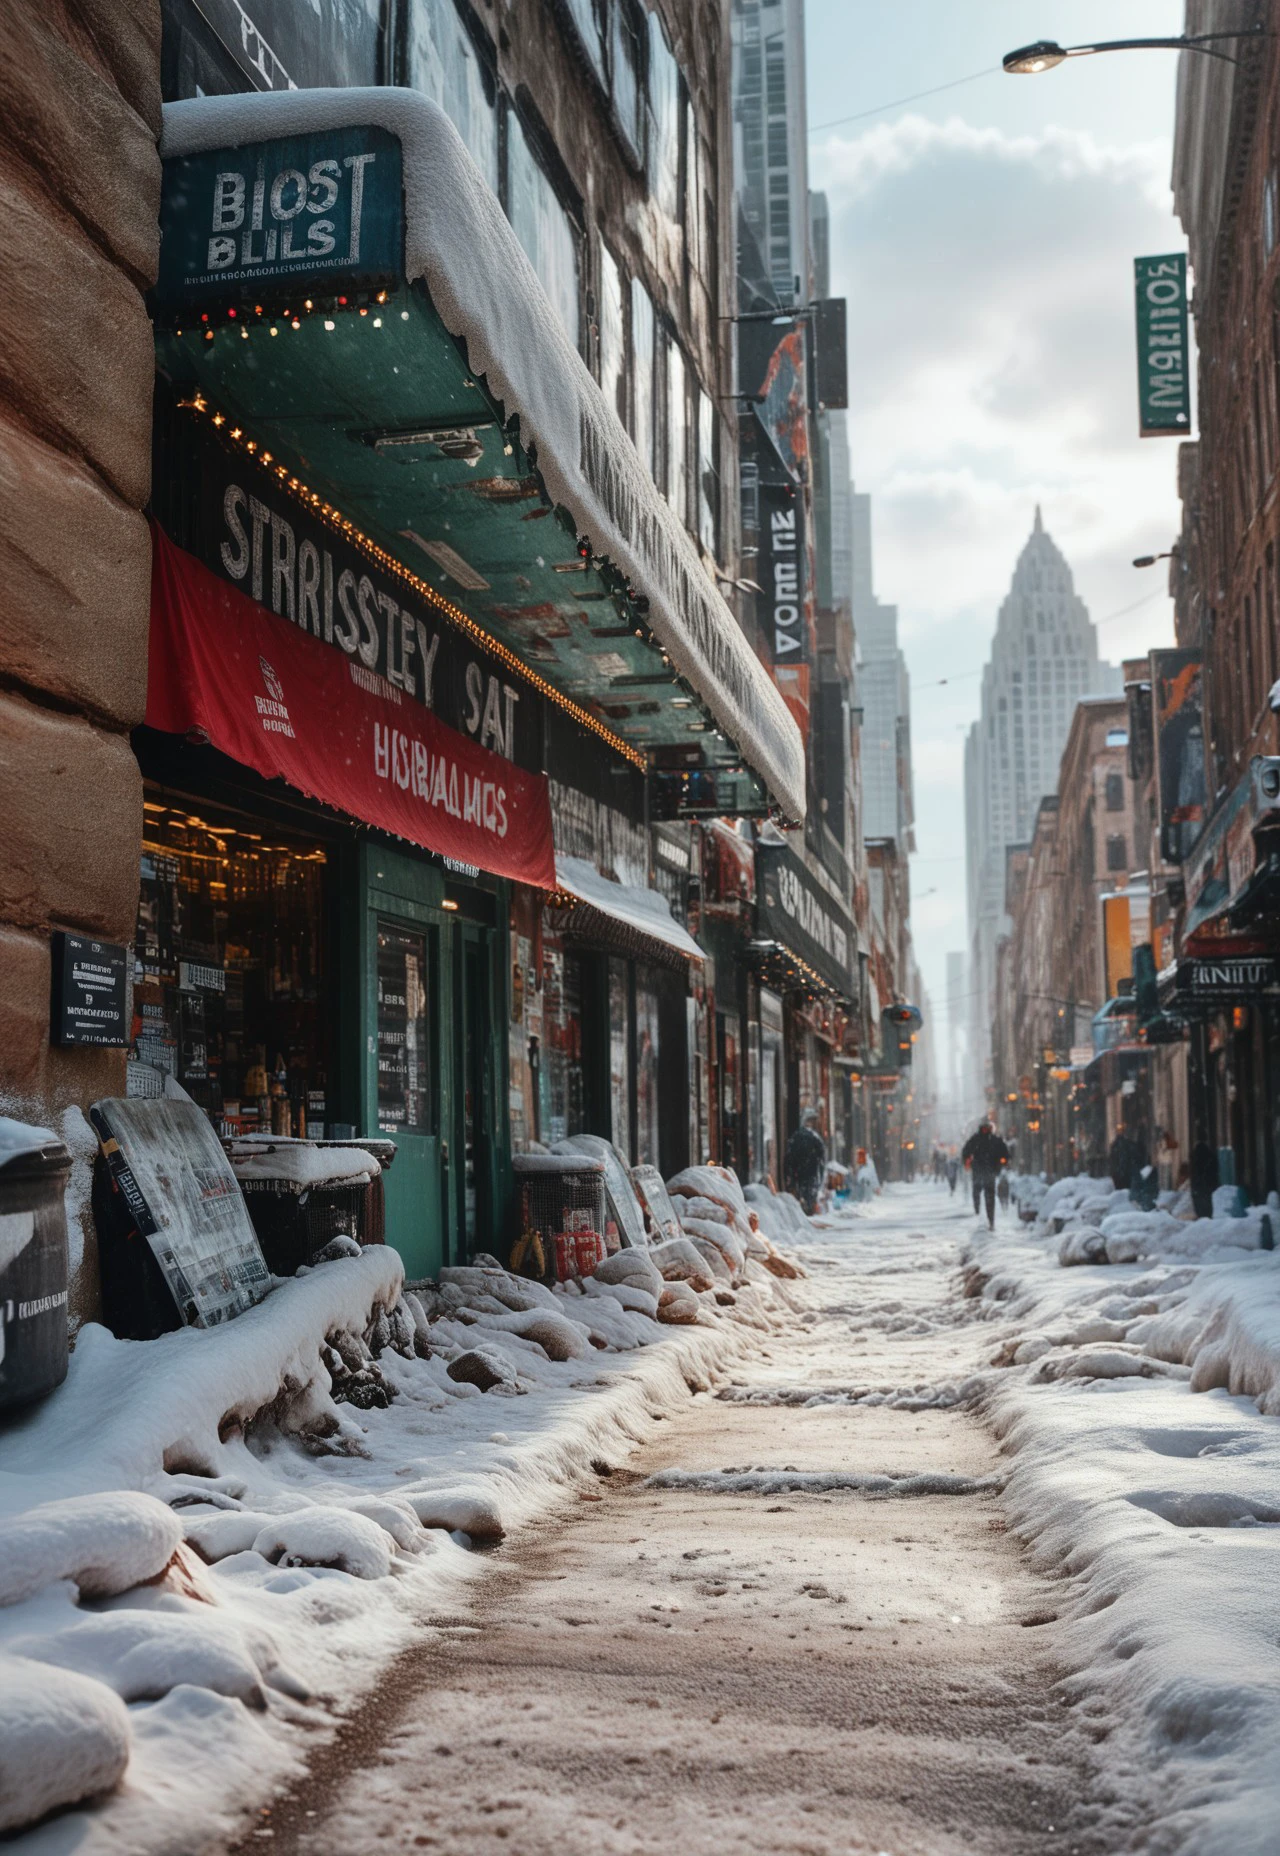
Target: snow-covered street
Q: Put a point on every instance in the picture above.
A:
(792, 1619)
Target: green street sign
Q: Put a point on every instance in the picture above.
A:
(318, 212)
(1164, 371)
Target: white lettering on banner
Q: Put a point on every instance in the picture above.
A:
(1165, 348)
(784, 544)
(434, 779)
(296, 579)
(807, 912)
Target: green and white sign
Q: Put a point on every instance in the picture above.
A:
(1164, 368)
(315, 211)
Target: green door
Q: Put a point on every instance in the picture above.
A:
(479, 1133)
(407, 1051)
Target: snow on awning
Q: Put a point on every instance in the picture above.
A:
(458, 246)
(642, 911)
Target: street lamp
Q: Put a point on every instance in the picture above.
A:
(1149, 560)
(1045, 54)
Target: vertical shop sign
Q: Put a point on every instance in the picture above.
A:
(1164, 374)
(1117, 943)
(782, 572)
(1177, 693)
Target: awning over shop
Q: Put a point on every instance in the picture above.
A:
(597, 903)
(1200, 988)
(811, 931)
(341, 295)
(272, 697)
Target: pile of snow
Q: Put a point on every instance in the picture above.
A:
(1138, 1403)
(211, 1542)
(301, 1163)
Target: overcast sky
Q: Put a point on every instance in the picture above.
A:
(984, 238)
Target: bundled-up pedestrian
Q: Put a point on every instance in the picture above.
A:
(806, 1161)
(986, 1155)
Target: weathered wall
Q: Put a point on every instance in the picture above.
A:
(80, 189)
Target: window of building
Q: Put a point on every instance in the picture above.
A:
(677, 485)
(708, 477)
(613, 334)
(644, 333)
(626, 85)
(1117, 856)
(444, 63)
(1115, 792)
(544, 227)
(585, 17)
(664, 120)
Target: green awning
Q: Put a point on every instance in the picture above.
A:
(341, 294)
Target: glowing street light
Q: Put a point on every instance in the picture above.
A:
(1046, 54)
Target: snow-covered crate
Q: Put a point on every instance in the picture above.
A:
(300, 1195)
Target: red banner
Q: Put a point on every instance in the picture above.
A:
(295, 708)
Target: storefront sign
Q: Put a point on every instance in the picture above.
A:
(319, 211)
(1219, 870)
(261, 690)
(1177, 693)
(793, 910)
(253, 535)
(1218, 982)
(90, 1005)
(1164, 377)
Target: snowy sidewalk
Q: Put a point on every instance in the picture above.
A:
(205, 1560)
(791, 1623)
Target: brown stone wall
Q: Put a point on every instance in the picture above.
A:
(79, 192)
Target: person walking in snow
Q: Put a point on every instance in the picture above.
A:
(806, 1161)
(1002, 1188)
(986, 1155)
(953, 1172)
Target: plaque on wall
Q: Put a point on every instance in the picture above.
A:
(90, 1004)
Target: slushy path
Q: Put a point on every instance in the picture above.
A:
(758, 1663)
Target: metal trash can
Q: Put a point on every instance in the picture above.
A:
(34, 1169)
(302, 1194)
(561, 1211)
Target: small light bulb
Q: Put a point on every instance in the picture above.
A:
(330, 324)
(377, 322)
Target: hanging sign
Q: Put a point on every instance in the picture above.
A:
(306, 211)
(275, 699)
(1164, 373)
(1177, 691)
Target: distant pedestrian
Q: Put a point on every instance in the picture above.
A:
(1002, 1189)
(1204, 1178)
(806, 1161)
(986, 1155)
(953, 1172)
(1125, 1160)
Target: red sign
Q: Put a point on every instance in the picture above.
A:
(291, 707)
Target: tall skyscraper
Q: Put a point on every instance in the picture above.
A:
(884, 687)
(1044, 658)
(771, 139)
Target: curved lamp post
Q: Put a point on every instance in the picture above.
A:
(1029, 60)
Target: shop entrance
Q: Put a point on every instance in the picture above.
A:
(405, 1072)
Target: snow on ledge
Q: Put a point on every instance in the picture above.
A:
(460, 244)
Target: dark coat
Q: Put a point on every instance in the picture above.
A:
(806, 1160)
(986, 1153)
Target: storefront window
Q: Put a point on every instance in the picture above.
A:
(561, 1075)
(404, 1066)
(230, 969)
(644, 332)
(619, 1053)
(646, 1070)
(543, 227)
(677, 432)
(444, 65)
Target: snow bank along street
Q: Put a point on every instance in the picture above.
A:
(213, 1541)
